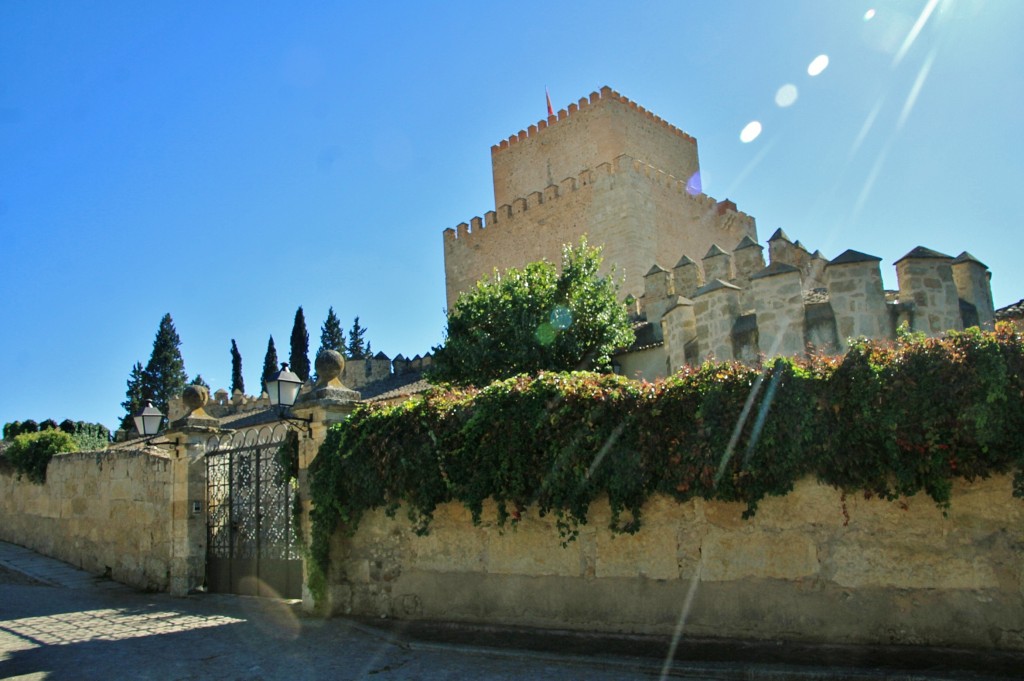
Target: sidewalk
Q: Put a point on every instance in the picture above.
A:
(51, 571)
(80, 626)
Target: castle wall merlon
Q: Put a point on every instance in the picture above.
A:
(678, 330)
(715, 308)
(717, 264)
(857, 297)
(657, 284)
(687, 277)
(973, 285)
(779, 305)
(926, 280)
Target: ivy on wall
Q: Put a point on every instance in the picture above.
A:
(885, 420)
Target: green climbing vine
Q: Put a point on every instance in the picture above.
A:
(885, 420)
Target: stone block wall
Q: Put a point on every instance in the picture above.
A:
(811, 566)
(105, 512)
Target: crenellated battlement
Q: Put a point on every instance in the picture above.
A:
(800, 302)
(605, 95)
(587, 178)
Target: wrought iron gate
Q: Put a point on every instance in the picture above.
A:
(251, 546)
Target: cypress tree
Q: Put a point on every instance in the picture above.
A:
(299, 356)
(331, 335)
(356, 348)
(237, 382)
(133, 403)
(270, 365)
(164, 376)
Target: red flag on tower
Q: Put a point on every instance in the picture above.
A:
(547, 95)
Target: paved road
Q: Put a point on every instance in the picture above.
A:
(57, 622)
(75, 626)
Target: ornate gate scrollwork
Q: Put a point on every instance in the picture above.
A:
(251, 546)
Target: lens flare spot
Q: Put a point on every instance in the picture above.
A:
(693, 185)
(869, 15)
(786, 95)
(561, 318)
(817, 65)
(750, 132)
(546, 334)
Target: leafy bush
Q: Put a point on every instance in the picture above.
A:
(30, 453)
(886, 420)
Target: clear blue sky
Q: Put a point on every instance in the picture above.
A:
(228, 162)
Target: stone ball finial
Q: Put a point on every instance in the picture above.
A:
(195, 397)
(329, 365)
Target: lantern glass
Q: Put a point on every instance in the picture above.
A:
(148, 420)
(283, 387)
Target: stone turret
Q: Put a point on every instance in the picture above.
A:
(926, 280)
(748, 260)
(687, 277)
(779, 306)
(716, 307)
(679, 329)
(854, 282)
(658, 296)
(972, 280)
(717, 264)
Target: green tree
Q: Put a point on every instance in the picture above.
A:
(270, 365)
(298, 358)
(198, 380)
(534, 319)
(237, 382)
(356, 347)
(164, 376)
(133, 403)
(331, 335)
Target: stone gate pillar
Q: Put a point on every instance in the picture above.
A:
(328, 403)
(188, 492)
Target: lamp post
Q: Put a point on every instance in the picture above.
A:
(148, 420)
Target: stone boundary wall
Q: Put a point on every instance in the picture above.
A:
(105, 512)
(811, 566)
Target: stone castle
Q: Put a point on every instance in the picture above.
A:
(609, 169)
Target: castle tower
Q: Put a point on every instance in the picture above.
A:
(607, 168)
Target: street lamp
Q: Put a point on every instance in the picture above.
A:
(148, 420)
(283, 387)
